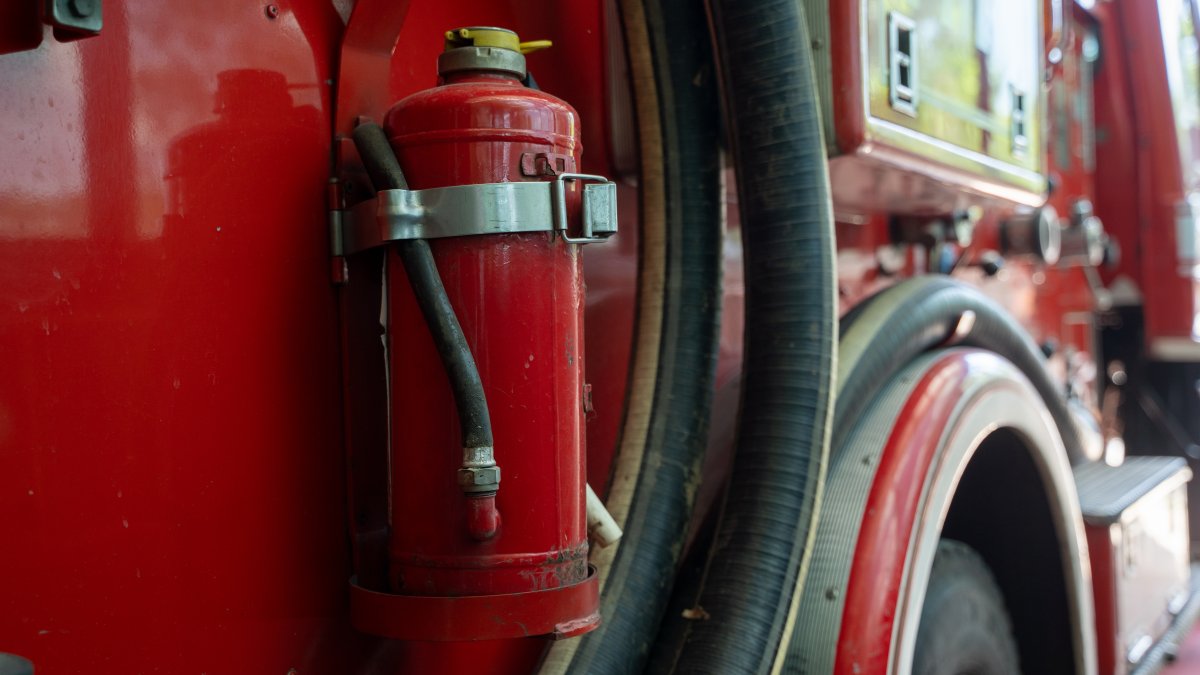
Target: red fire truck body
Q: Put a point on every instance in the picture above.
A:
(890, 363)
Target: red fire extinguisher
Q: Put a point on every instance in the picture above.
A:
(484, 216)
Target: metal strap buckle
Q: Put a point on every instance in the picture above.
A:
(599, 207)
(487, 208)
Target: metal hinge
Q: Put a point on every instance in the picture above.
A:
(488, 208)
(338, 272)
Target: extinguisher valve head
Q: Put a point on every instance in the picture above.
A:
(482, 36)
(475, 479)
(486, 48)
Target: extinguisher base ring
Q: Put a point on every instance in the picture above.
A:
(560, 613)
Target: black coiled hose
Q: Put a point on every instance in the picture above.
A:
(771, 505)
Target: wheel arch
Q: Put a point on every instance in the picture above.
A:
(957, 443)
(1000, 481)
(1004, 508)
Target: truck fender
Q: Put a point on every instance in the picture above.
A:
(959, 443)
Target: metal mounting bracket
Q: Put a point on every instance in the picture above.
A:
(599, 207)
(77, 18)
(487, 208)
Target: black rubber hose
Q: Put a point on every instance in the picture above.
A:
(377, 157)
(685, 170)
(770, 509)
(923, 313)
(474, 420)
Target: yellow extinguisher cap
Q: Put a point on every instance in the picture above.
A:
(488, 36)
(535, 46)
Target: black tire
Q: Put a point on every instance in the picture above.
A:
(965, 629)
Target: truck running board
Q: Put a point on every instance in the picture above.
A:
(1137, 528)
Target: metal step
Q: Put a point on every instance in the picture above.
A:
(1105, 492)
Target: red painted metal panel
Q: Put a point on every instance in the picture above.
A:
(1141, 178)
(366, 55)
(845, 26)
(1104, 593)
(169, 411)
(1119, 179)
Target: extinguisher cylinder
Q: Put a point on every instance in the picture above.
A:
(518, 296)
(486, 309)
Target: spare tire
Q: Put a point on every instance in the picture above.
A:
(965, 628)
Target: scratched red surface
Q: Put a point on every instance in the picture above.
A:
(168, 410)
